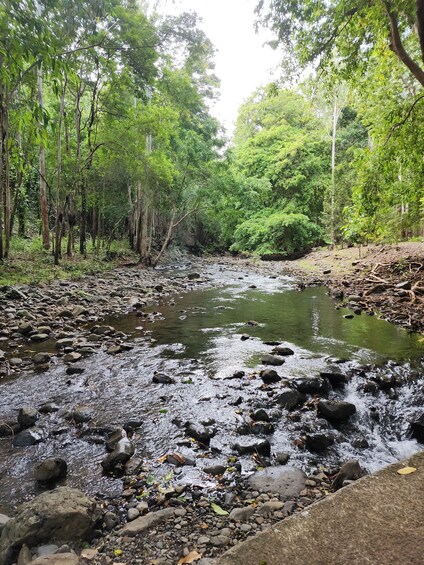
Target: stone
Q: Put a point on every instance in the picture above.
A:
(110, 520)
(80, 415)
(313, 385)
(123, 451)
(220, 541)
(247, 446)
(417, 429)
(241, 514)
(28, 437)
(63, 514)
(272, 360)
(290, 398)
(24, 556)
(72, 357)
(260, 415)
(215, 470)
(318, 442)
(161, 378)
(48, 549)
(179, 460)
(262, 428)
(64, 342)
(337, 380)
(270, 507)
(201, 434)
(3, 521)
(132, 514)
(41, 358)
(286, 481)
(280, 350)
(39, 337)
(114, 350)
(336, 410)
(57, 559)
(74, 370)
(349, 471)
(25, 328)
(143, 523)
(51, 469)
(114, 438)
(27, 416)
(269, 376)
(282, 458)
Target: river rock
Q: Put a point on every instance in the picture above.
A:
(25, 328)
(336, 410)
(262, 428)
(290, 398)
(3, 521)
(215, 470)
(201, 434)
(337, 380)
(143, 523)
(72, 357)
(260, 415)
(269, 376)
(27, 416)
(161, 378)
(13, 293)
(351, 470)
(241, 514)
(47, 549)
(281, 350)
(313, 385)
(286, 481)
(57, 559)
(39, 337)
(50, 469)
(28, 437)
(123, 451)
(248, 446)
(41, 358)
(318, 442)
(114, 438)
(417, 429)
(63, 515)
(272, 360)
(64, 342)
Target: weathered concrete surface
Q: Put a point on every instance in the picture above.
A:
(379, 520)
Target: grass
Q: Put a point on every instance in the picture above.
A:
(28, 263)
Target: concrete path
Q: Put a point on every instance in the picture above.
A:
(379, 520)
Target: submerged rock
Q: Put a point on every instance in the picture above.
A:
(272, 360)
(336, 410)
(290, 398)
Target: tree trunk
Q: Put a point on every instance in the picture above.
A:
(6, 178)
(45, 232)
(167, 240)
(2, 103)
(59, 217)
(333, 173)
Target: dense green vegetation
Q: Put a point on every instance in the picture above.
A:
(106, 133)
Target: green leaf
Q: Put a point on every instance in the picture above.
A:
(218, 510)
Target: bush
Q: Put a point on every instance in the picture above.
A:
(276, 232)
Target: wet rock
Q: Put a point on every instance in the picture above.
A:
(244, 337)
(337, 380)
(123, 451)
(48, 408)
(262, 428)
(360, 443)
(48, 549)
(28, 437)
(25, 328)
(386, 382)
(215, 470)
(201, 434)
(41, 358)
(27, 416)
(9, 428)
(220, 541)
(3, 521)
(103, 330)
(74, 370)
(290, 398)
(57, 559)
(72, 357)
(143, 523)
(335, 410)
(64, 342)
(39, 337)
(260, 415)
(63, 515)
(114, 438)
(193, 276)
(318, 442)
(313, 385)
(269, 376)
(110, 520)
(282, 458)
(161, 378)
(80, 415)
(241, 514)
(272, 360)
(179, 460)
(286, 481)
(351, 470)
(247, 446)
(281, 350)
(50, 469)
(417, 429)
(236, 375)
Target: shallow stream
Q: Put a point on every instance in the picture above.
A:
(196, 339)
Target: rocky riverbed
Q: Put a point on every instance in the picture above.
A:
(195, 419)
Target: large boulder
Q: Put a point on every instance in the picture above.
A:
(63, 515)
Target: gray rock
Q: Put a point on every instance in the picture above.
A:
(269, 376)
(290, 398)
(241, 514)
(270, 507)
(25, 328)
(27, 416)
(72, 357)
(336, 410)
(282, 458)
(50, 469)
(143, 523)
(3, 521)
(41, 358)
(201, 434)
(114, 438)
(215, 470)
(318, 442)
(28, 437)
(260, 415)
(123, 451)
(280, 350)
(272, 360)
(313, 385)
(161, 378)
(247, 446)
(132, 514)
(49, 549)
(220, 541)
(57, 559)
(63, 514)
(39, 337)
(286, 481)
(110, 520)
(351, 470)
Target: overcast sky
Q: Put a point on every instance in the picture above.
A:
(243, 62)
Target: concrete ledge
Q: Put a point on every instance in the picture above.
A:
(379, 520)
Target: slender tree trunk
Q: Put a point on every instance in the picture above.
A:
(333, 173)
(139, 223)
(59, 218)
(6, 180)
(2, 103)
(45, 232)
(144, 247)
(166, 241)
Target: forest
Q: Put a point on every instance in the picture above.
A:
(107, 141)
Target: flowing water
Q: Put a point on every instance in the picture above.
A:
(196, 339)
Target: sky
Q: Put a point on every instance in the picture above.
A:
(243, 62)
